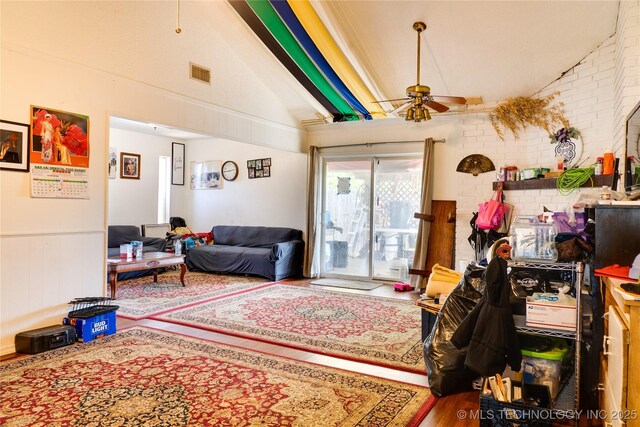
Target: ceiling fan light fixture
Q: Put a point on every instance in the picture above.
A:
(419, 96)
(409, 115)
(475, 164)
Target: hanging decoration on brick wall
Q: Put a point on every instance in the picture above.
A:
(259, 168)
(515, 114)
(568, 145)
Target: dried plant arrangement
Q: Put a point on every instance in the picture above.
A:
(516, 113)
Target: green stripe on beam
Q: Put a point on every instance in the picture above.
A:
(272, 20)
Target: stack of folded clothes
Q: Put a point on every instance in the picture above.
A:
(442, 280)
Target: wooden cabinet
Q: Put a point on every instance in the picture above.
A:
(620, 367)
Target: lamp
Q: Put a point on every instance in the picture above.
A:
(475, 164)
(409, 115)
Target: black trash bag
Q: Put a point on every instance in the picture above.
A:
(445, 363)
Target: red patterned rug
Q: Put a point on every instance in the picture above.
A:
(141, 297)
(381, 331)
(144, 377)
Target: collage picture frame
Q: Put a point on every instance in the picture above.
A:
(259, 168)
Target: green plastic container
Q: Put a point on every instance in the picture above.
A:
(558, 352)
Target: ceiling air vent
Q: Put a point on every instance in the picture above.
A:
(200, 73)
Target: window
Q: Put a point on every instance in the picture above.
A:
(164, 189)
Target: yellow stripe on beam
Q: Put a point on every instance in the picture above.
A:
(332, 53)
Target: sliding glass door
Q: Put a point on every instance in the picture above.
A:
(368, 230)
(347, 218)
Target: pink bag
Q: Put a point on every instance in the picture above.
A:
(491, 212)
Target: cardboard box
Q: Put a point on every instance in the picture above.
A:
(126, 251)
(94, 327)
(552, 316)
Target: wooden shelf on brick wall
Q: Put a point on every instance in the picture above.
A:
(550, 183)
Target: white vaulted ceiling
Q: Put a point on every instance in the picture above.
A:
(492, 50)
(488, 49)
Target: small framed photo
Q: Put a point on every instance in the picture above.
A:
(259, 164)
(251, 164)
(252, 173)
(258, 173)
(129, 166)
(14, 146)
(266, 162)
(112, 163)
(266, 171)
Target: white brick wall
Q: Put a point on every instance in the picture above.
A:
(598, 93)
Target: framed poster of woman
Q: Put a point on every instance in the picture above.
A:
(129, 166)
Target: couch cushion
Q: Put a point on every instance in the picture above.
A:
(232, 259)
(119, 234)
(257, 237)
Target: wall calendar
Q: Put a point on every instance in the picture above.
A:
(59, 182)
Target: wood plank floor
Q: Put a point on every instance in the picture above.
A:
(444, 411)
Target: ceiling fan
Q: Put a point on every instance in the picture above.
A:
(419, 96)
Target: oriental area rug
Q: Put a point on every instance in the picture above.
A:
(371, 329)
(145, 377)
(141, 297)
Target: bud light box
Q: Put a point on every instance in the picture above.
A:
(94, 327)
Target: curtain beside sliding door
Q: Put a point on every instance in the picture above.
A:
(422, 239)
(314, 206)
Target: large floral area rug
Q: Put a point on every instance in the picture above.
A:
(144, 377)
(381, 331)
(141, 297)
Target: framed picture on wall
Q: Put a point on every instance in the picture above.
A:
(113, 163)
(177, 163)
(259, 168)
(14, 146)
(129, 166)
(206, 175)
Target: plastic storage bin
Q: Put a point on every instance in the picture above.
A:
(517, 414)
(532, 240)
(545, 367)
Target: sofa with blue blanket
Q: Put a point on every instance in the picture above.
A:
(272, 252)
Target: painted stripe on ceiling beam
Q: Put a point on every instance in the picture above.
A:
(279, 30)
(291, 20)
(247, 15)
(328, 47)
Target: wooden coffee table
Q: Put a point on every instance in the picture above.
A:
(149, 260)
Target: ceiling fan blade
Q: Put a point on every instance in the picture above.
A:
(401, 108)
(438, 107)
(450, 99)
(389, 100)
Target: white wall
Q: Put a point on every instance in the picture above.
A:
(135, 201)
(89, 68)
(279, 200)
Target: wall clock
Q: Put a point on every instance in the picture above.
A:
(230, 170)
